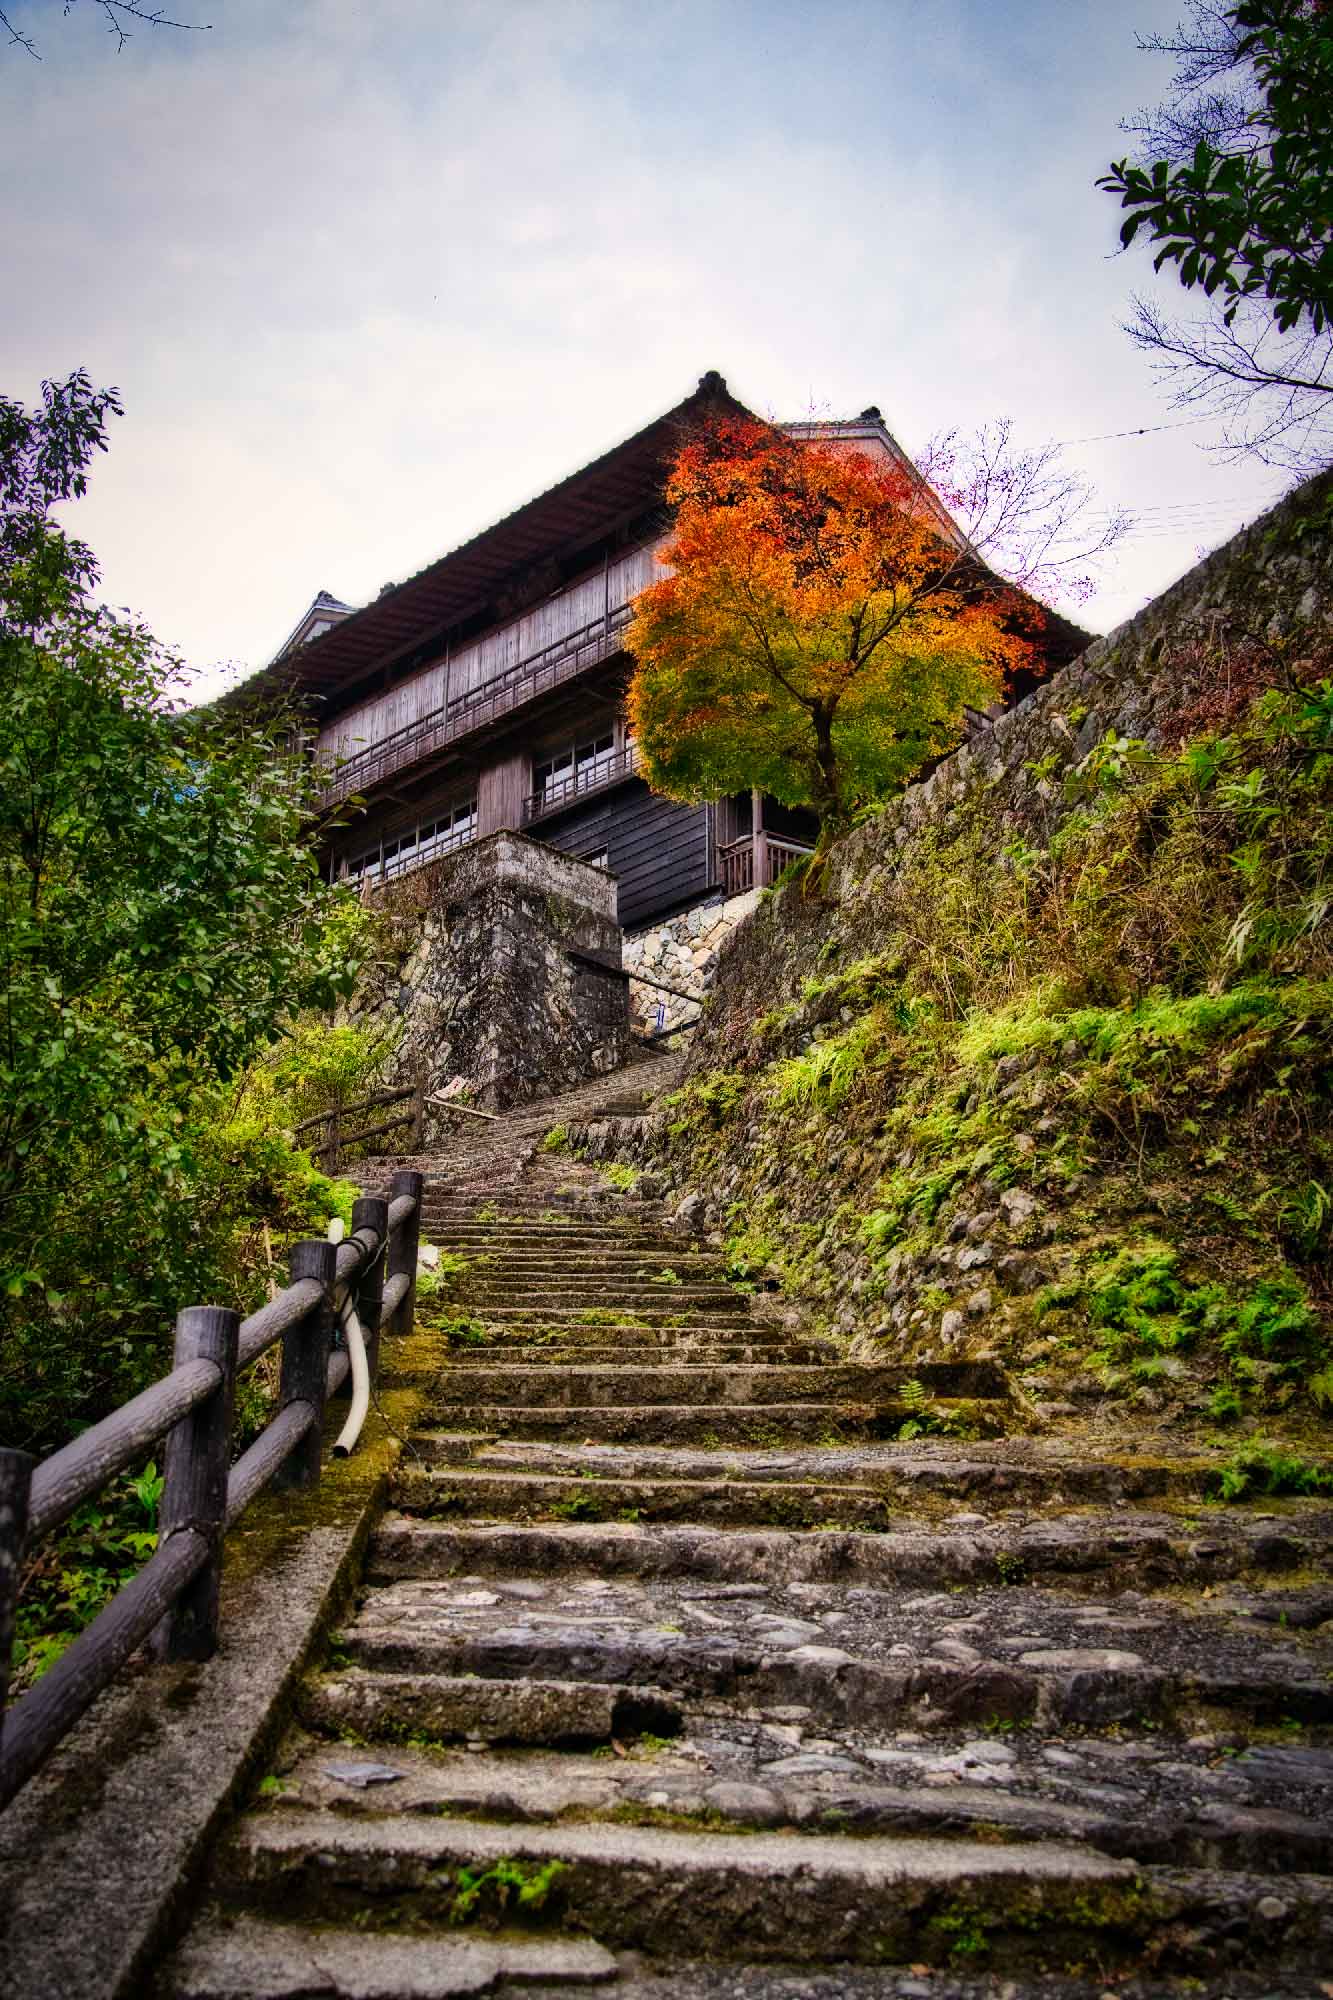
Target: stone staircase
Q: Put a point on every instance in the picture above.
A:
(675, 1673)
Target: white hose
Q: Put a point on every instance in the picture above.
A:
(356, 1350)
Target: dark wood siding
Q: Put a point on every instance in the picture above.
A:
(660, 851)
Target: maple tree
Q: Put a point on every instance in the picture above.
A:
(823, 626)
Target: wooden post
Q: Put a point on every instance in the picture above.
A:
(16, 1468)
(404, 1244)
(305, 1360)
(194, 1487)
(371, 1211)
(757, 840)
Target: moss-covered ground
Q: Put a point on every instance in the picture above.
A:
(1073, 1104)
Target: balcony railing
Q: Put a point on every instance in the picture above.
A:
(598, 774)
(562, 660)
(756, 861)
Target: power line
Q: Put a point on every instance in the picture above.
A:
(1144, 430)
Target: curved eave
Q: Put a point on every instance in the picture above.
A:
(576, 511)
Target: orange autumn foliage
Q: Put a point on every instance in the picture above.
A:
(822, 628)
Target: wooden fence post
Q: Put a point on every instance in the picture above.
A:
(16, 1469)
(305, 1361)
(404, 1244)
(371, 1211)
(194, 1487)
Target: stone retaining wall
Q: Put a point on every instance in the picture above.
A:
(682, 952)
(487, 982)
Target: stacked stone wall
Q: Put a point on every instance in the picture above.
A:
(487, 977)
(681, 952)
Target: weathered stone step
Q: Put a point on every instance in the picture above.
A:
(573, 1309)
(754, 1424)
(845, 1382)
(511, 1206)
(609, 1260)
(662, 1339)
(813, 1792)
(559, 1286)
(702, 1349)
(437, 1706)
(1056, 1686)
(765, 1897)
(553, 1245)
(1130, 1550)
(1012, 1475)
(487, 1494)
(248, 1959)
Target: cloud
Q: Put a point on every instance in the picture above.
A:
(370, 277)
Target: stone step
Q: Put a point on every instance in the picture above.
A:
(1127, 1549)
(252, 1960)
(624, 1231)
(572, 1290)
(1025, 1663)
(573, 1309)
(663, 1339)
(700, 1349)
(613, 1256)
(436, 1706)
(510, 1206)
(763, 1896)
(1015, 1474)
(774, 1425)
(865, 1383)
(486, 1494)
(1024, 1787)
(844, 1382)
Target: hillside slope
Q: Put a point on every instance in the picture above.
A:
(1041, 1068)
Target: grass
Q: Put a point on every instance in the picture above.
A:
(1126, 1014)
(1264, 1469)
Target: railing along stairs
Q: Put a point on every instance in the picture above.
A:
(173, 1601)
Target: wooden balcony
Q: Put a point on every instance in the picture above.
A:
(563, 660)
(756, 861)
(598, 774)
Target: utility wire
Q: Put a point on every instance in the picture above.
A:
(1144, 430)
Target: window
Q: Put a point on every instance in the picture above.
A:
(575, 767)
(410, 846)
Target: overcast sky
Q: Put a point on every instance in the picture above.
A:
(369, 276)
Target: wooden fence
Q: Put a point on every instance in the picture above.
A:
(339, 1126)
(173, 1600)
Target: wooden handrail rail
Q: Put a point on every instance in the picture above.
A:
(174, 1595)
(371, 1103)
(82, 1468)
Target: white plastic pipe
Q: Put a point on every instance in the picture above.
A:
(356, 1351)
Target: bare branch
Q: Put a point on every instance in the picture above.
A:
(117, 13)
(1272, 392)
(17, 39)
(1026, 513)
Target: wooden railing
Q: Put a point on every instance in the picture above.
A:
(342, 1133)
(611, 768)
(173, 1600)
(756, 861)
(562, 660)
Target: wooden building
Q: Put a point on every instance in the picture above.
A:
(485, 693)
